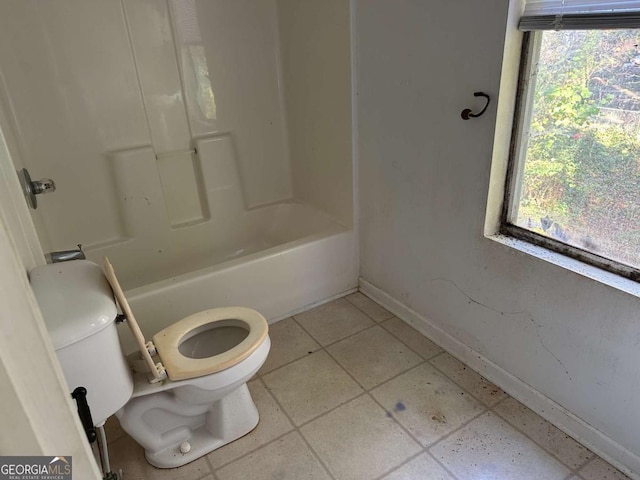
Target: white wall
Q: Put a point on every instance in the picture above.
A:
(316, 66)
(424, 179)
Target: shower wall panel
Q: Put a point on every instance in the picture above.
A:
(316, 66)
(86, 81)
(70, 88)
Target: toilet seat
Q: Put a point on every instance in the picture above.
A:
(166, 342)
(180, 367)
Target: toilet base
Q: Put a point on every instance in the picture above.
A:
(228, 419)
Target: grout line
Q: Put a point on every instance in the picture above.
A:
(116, 438)
(249, 452)
(482, 412)
(593, 458)
(323, 464)
(297, 429)
(308, 354)
(574, 473)
(580, 469)
(423, 449)
(330, 410)
(540, 444)
(411, 458)
(368, 389)
(483, 409)
(437, 354)
(443, 352)
(487, 406)
(313, 305)
(358, 308)
(365, 390)
(210, 463)
(206, 475)
(323, 347)
(336, 341)
(446, 469)
(368, 392)
(491, 408)
(406, 430)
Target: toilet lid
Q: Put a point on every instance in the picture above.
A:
(180, 367)
(131, 320)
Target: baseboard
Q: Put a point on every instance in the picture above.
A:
(602, 445)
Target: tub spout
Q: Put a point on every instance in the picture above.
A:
(65, 255)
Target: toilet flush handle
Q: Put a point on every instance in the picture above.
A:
(80, 396)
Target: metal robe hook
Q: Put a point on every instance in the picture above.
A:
(466, 113)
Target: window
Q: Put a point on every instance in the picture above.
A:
(574, 180)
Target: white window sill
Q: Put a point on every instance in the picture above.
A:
(576, 266)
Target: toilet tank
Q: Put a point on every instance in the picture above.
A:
(80, 313)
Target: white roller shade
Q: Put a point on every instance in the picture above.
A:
(547, 7)
(580, 14)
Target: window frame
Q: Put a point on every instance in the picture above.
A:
(525, 89)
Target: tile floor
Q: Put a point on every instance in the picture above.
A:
(351, 392)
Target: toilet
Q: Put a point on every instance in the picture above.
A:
(184, 394)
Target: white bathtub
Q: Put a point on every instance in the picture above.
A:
(277, 259)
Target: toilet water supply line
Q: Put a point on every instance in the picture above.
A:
(104, 456)
(105, 451)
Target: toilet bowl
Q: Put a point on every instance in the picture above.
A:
(184, 394)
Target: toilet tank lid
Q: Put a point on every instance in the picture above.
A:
(75, 299)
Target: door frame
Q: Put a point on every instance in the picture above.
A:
(37, 414)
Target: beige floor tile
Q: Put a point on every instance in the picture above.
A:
(288, 342)
(413, 338)
(368, 306)
(311, 386)
(422, 467)
(488, 447)
(333, 321)
(288, 458)
(373, 356)
(427, 403)
(273, 423)
(561, 446)
(358, 441)
(127, 455)
(598, 469)
(475, 384)
(113, 430)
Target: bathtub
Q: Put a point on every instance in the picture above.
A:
(278, 259)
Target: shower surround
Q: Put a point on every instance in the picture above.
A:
(204, 146)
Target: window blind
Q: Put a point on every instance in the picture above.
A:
(580, 14)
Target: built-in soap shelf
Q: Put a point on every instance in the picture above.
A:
(177, 189)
